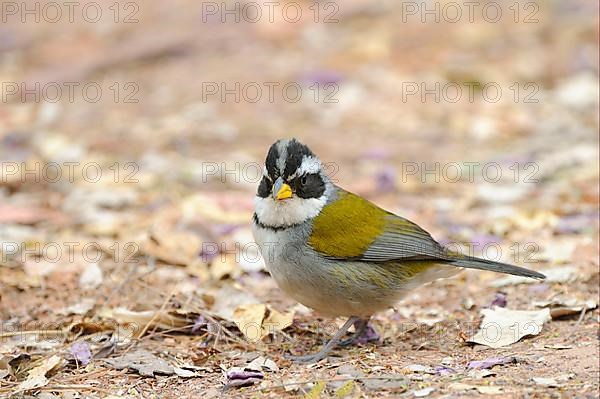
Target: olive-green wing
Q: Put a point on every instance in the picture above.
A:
(353, 228)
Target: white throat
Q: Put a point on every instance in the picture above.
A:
(296, 210)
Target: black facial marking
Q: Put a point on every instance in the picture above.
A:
(305, 186)
(271, 161)
(295, 152)
(309, 186)
(264, 188)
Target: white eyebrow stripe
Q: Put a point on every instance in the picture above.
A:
(309, 165)
(266, 174)
(282, 150)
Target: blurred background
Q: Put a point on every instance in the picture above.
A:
(132, 136)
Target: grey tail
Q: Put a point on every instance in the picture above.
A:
(470, 262)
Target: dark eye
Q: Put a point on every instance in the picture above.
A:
(303, 180)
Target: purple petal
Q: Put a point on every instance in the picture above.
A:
(243, 383)
(243, 374)
(499, 300)
(81, 352)
(369, 335)
(489, 363)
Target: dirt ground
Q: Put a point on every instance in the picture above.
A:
(132, 144)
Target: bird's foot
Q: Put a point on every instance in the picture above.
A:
(333, 342)
(364, 333)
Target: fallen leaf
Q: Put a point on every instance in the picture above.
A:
(36, 377)
(546, 382)
(173, 247)
(387, 381)
(249, 319)
(489, 389)
(256, 321)
(161, 319)
(262, 363)
(222, 266)
(277, 321)
(478, 374)
(183, 373)
(227, 299)
(484, 389)
(79, 308)
(490, 362)
(349, 370)
(502, 327)
(560, 307)
(145, 363)
(421, 393)
(91, 276)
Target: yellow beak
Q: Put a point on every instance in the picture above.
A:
(281, 190)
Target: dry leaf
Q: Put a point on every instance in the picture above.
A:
(421, 393)
(277, 321)
(222, 266)
(183, 373)
(249, 319)
(226, 299)
(395, 382)
(145, 363)
(174, 247)
(91, 276)
(546, 382)
(36, 377)
(161, 319)
(502, 327)
(560, 307)
(256, 321)
(484, 389)
(490, 362)
(262, 363)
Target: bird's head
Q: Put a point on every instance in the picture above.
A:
(294, 186)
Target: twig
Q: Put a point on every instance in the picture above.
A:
(581, 316)
(31, 332)
(157, 313)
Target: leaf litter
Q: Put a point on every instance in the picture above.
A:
(180, 307)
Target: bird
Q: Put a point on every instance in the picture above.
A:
(338, 253)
